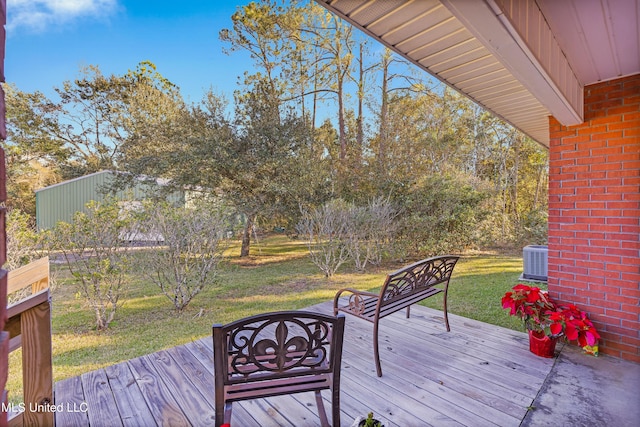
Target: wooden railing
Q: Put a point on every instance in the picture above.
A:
(29, 327)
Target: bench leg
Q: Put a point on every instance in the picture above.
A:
(446, 315)
(376, 352)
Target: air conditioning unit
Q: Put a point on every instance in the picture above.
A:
(534, 260)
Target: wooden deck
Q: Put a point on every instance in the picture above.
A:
(476, 375)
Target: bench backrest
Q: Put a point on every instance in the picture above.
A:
(417, 277)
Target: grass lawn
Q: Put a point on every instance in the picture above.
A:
(278, 276)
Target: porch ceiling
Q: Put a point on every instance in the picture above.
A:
(521, 59)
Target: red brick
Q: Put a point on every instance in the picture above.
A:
(573, 154)
(635, 213)
(632, 260)
(590, 190)
(589, 280)
(577, 183)
(609, 104)
(631, 245)
(607, 151)
(606, 119)
(632, 196)
(575, 169)
(633, 229)
(605, 182)
(632, 117)
(599, 138)
(622, 204)
(623, 125)
(590, 220)
(620, 141)
(604, 228)
(605, 212)
(622, 188)
(622, 109)
(604, 243)
(594, 129)
(561, 191)
(608, 259)
(606, 166)
(593, 251)
(633, 326)
(632, 132)
(557, 136)
(617, 314)
(632, 181)
(635, 293)
(573, 198)
(576, 227)
(606, 197)
(599, 89)
(632, 278)
(623, 268)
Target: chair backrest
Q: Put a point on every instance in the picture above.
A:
(417, 277)
(274, 348)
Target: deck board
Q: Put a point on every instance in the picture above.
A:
(476, 375)
(128, 396)
(99, 396)
(68, 392)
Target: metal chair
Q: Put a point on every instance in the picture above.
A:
(278, 353)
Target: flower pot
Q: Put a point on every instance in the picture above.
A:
(363, 423)
(541, 345)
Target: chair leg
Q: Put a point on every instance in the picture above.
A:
(223, 413)
(227, 413)
(324, 422)
(376, 352)
(335, 407)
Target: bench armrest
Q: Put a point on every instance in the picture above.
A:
(354, 299)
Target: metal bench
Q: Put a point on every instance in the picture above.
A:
(401, 289)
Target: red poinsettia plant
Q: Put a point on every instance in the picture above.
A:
(541, 314)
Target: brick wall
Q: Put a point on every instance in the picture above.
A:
(594, 214)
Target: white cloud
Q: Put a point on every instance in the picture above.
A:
(39, 15)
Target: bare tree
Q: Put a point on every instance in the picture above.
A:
(325, 229)
(96, 256)
(192, 251)
(370, 232)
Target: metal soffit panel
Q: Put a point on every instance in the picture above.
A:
(599, 37)
(426, 33)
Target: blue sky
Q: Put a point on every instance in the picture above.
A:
(49, 40)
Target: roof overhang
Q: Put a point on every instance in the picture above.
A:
(502, 54)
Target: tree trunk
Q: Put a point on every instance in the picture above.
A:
(384, 112)
(246, 237)
(360, 127)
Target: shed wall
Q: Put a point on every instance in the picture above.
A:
(61, 201)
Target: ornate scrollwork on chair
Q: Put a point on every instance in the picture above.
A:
(278, 353)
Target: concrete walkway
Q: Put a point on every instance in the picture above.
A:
(583, 390)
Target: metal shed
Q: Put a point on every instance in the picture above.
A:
(59, 202)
